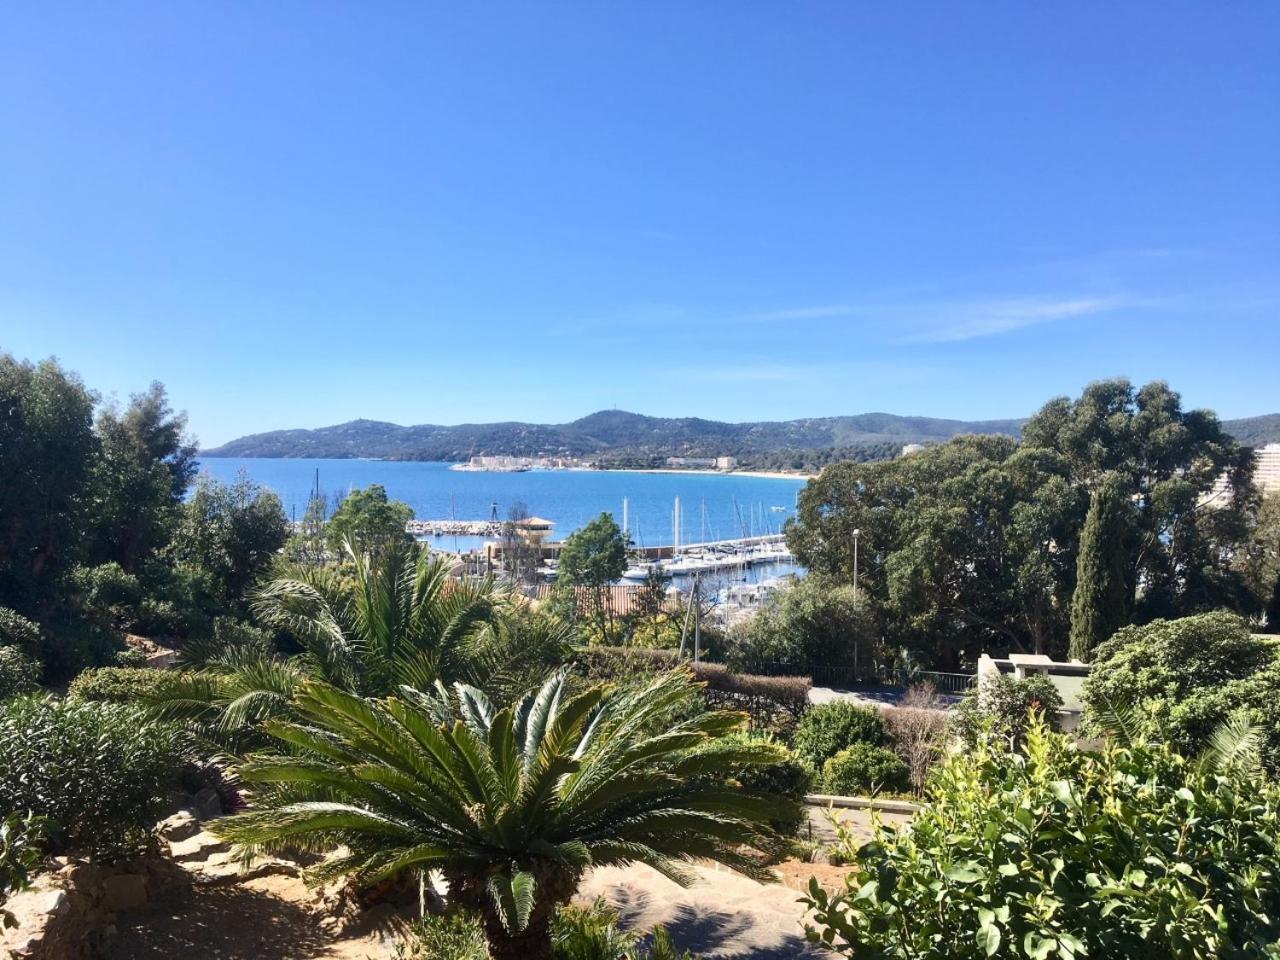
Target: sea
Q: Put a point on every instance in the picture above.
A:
(713, 506)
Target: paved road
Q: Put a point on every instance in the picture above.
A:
(869, 696)
(820, 828)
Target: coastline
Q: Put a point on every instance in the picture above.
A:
(763, 474)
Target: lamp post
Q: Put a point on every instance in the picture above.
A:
(856, 531)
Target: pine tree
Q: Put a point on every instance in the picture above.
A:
(1101, 602)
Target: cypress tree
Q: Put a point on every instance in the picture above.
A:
(1100, 604)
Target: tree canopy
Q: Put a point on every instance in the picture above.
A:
(973, 545)
(370, 520)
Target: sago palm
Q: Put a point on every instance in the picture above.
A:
(512, 804)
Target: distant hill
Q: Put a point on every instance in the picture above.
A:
(620, 434)
(609, 431)
(1255, 431)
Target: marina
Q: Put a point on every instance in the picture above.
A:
(461, 510)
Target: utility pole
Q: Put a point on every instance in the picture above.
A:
(855, 564)
(697, 617)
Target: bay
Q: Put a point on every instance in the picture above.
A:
(714, 506)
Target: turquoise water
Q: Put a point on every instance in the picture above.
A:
(714, 506)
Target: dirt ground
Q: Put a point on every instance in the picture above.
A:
(264, 919)
(271, 918)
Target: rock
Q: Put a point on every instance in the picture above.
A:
(199, 848)
(222, 871)
(208, 804)
(124, 891)
(181, 826)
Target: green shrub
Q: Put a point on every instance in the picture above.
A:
(1001, 706)
(18, 672)
(864, 768)
(830, 727)
(772, 703)
(1186, 676)
(815, 620)
(124, 684)
(108, 592)
(1057, 852)
(578, 933)
(131, 657)
(787, 780)
(20, 840)
(451, 936)
(99, 772)
(17, 631)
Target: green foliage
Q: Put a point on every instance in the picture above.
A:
(1186, 677)
(1003, 707)
(99, 772)
(108, 592)
(773, 703)
(21, 839)
(973, 544)
(231, 533)
(1056, 852)
(1102, 598)
(368, 627)
(592, 933)
(369, 520)
(17, 631)
(449, 936)
(131, 657)
(1258, 559)
(513, 803)
(145, 464)
(594, 557)
(830, 727)
(18, 673)
(230, 636)
(812, 621)
(124, 684)
(578, 933)
(862, 769)
(786, 779)
(954, 552)
(1165, 460)
(389, 619)
(47, 453)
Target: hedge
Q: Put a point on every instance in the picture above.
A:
(770, 701)
(123, 684)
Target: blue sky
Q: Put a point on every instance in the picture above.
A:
(296, 214)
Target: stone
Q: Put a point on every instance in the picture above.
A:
(124, 891)
(208, 804)
(222, 871)
(181, 826)
(199, 848)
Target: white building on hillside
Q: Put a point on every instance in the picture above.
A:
(1266, 476)
(1267, 472)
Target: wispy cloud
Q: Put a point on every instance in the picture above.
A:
(893, 320)
(954, 322)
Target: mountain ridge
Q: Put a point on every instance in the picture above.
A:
(620, 432)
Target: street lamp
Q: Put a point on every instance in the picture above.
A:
(856, 531)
